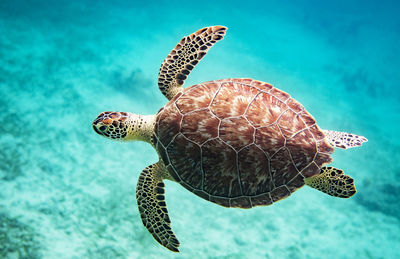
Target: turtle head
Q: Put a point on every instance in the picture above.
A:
(124, 126)
(112, 125)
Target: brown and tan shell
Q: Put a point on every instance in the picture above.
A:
(239, 142)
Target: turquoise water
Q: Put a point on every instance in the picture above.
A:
(65, 192)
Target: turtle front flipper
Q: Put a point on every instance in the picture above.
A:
(152, 206)
(332, 181)
(343, 139)
(185, 56)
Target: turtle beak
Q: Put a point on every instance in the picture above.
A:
(96, 129)
(98, 125)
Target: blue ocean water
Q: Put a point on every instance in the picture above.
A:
(65, 192)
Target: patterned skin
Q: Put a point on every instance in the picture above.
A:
(111, 124)
(239, 142)
(185, 56)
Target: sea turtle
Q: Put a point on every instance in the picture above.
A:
(239, 143)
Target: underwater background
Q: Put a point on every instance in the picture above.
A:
(66, 192)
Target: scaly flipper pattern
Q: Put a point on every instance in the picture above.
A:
(344, 140)
(185, 56)
(332, 181)
(152, 206)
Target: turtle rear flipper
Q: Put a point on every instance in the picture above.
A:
(185, 56)
(332, 181)
(343, 139)
(152, 206)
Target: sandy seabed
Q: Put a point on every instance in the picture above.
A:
(65, 192)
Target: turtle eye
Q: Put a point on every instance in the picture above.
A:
(103, 128)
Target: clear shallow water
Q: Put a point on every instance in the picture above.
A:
(68, 193)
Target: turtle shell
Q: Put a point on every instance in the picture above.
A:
(239, 142)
